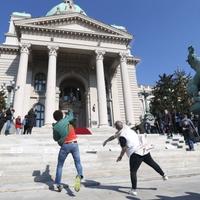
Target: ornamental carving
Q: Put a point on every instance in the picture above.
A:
(99, 55)
(53, 50)
(123, 57)
(24, 48)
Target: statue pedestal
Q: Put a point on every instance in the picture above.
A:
(195, 108)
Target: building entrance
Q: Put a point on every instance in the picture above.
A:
(72, 97)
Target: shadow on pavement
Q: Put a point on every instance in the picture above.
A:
(117, 188)
(45, 177)
(188, 196)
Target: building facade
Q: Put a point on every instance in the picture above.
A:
(67, 60)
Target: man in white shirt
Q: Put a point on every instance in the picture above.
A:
(136, 149)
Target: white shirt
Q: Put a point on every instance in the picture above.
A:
(135, 143)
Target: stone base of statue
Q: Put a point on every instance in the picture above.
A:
(195, 108)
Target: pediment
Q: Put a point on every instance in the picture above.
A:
(73, 22)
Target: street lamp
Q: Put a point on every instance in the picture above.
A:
(145, 94)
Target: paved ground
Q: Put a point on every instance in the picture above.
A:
(180, 188)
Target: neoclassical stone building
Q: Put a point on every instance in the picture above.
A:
(67, 60)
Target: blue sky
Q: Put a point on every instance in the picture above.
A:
(162, 29)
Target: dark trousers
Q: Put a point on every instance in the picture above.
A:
(25, 129)
(135, 162)
(1, 126)
(29, 129)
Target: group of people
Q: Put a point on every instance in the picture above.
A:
(171, 122)
(186, 124)
(134, 145)
(21, 126)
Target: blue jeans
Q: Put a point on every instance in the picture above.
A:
(190, 144)
(8, 126)
(64, 151)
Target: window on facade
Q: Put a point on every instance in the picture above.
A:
(40, 82)
(39, 111)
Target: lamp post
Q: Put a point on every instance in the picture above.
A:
(145, 94)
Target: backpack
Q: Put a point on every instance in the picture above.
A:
(61, 128)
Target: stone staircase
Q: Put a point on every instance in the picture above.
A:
(28, 162)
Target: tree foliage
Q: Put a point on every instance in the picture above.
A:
(170, 92)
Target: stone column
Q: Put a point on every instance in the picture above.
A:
(21, 80)
(50, 102)
(126, 90)
(101, 90)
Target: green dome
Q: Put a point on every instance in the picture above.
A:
(64, 8)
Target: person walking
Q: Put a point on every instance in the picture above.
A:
(188, 130)
(64, 134)
(137, 150)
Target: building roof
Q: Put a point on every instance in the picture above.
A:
(65, 7)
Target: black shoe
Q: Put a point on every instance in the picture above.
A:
(59, 187)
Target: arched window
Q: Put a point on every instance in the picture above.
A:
(39, 111)
(40, 82)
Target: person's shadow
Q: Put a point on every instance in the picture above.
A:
(187, 196)
(46, 178)
(97, 185)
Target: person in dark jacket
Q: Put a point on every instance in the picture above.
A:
(9, 119)
(31, 121)
(25, 124)
(2, 120)
(188, 131)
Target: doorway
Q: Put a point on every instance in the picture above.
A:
(73, 97)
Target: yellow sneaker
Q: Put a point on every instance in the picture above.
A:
(77, 184)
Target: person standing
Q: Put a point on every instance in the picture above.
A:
(167, 119)
(137, 150)
(64, 134)
(31, 121)
(18, 125)
(25, 124)
(9, 120)
(2, 120)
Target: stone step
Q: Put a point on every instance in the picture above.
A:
(26, 158)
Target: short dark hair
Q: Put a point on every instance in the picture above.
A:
(58, 115)
(118, 125)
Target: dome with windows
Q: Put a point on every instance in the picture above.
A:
(67, 6)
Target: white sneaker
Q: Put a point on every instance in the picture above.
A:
(133, 192)
(165, 177)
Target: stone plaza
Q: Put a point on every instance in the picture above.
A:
(28, 164)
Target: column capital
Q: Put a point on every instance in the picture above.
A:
(53, 50)
(99, 54)
(123, 56)
(25, 48)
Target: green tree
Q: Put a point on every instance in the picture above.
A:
(162, 94)
(2, 100)
(181, 98)
(170, 92)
